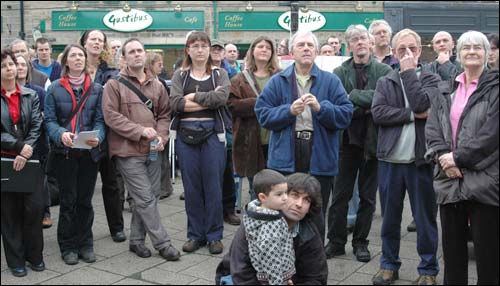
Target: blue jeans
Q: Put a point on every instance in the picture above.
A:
(394, 180)
(202, 168)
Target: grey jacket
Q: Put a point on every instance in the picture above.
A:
(476, 153)
(448, 70)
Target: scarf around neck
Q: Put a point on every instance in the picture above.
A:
(76, 81)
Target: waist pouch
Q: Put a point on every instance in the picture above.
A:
(194, 135)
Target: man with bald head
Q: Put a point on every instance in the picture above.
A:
(445, 65)
(232, 56)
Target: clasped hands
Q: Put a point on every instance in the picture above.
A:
(448, 164)
(299, 105)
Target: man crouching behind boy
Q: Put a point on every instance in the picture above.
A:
(303, 205)
(270, 243)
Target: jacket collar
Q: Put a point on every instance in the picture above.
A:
(287, 73)
(126, 72)
(350, 62)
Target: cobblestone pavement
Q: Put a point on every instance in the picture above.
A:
(118, 266)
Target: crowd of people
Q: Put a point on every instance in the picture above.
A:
(309, 141)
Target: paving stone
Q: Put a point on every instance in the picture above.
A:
(186, 261)
(205, 270)
(128, 263)
(129, 281)
(165, 277)
(339, 269)
(32, 278)
(85, 276)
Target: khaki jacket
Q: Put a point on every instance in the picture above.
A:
(127, 116)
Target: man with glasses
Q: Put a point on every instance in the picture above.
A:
(359, 77)
(445, 65)
(400, 107)
(382, 32)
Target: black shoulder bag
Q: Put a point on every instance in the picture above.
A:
(50, 165)
(148, 102)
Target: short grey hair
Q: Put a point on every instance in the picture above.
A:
(380, 22)
(17, 41)
(404, 33)
(301, 34)
(474, 37)
(353, 30)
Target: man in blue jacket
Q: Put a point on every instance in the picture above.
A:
(305, 108)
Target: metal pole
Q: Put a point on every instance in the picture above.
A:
(22, 34)
(294, 16)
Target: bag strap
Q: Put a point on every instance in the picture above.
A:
(75, 111)
(250, 81)
(148, 102)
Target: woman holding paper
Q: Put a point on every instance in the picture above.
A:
(22, 211)
(73, 105)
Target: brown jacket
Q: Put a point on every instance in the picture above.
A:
(248, 157)
(127, 116)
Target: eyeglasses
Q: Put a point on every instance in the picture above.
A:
(196, 47)
(381, 32)
(355, 40)
(470, 48)
(402, 50)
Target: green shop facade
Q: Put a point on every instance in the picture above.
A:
(164, 31)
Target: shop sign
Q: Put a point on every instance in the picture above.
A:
(268, 21)
(310, 21)
(132, 21)
(95, 19)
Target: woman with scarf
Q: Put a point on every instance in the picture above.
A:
(73, 105)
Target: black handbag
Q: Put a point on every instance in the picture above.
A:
(194, 135)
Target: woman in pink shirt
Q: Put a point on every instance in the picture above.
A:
(462, 139)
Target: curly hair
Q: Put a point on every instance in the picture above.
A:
(105, 56)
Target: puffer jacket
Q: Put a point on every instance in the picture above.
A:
(476, 152)
(29, 125)
(58, 107)
(104, 73)
(127, 116)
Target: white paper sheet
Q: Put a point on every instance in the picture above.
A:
(82, 137)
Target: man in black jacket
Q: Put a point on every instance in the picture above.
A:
(304, 202)
(399, 108)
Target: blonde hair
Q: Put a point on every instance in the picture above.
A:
(151, 58)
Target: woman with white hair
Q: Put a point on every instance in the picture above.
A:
(462, 138)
